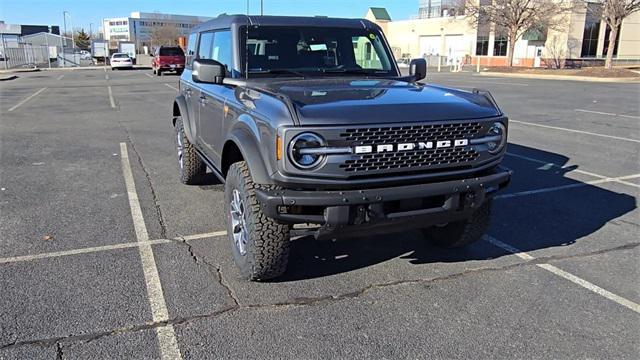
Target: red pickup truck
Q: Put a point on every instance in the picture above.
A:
(168, 58)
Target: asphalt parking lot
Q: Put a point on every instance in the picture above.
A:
(104, 254)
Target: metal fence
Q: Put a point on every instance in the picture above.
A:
(32, 56)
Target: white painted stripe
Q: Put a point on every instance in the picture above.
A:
(174, 88)
(521, 254)
(556, 165)
(149, 75)
(619, 180)
(203, 236)
(606, 113)
(106, 76)
(574, 279)
(166, 335)
(88, 250)
(575, 131)
(111, 100)
(589, 286)
(568, 186)
(595, 112)
(60, 77)
(27, 99)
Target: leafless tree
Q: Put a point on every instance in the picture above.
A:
(613, 12)
(164, 34)
(515, 17)
(556, 53)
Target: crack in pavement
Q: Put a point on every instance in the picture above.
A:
(295, 302)
(211, 267)
(59, 353)
(154, 195)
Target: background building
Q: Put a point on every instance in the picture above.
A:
(139, 26)
(439, 31)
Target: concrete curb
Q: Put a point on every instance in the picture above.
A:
(561, 77)
(15, 71)
(7, 78)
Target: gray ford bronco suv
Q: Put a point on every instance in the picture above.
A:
(312, 128)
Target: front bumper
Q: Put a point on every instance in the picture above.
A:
(383, 209)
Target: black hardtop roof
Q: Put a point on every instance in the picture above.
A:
(227, 21)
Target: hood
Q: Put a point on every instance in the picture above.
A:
(375, 101)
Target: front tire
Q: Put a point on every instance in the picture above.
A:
(260, 245)
(158, 72)
(192, 168)
(462, 233)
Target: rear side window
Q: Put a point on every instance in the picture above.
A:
(120, 56)
(191, 48)
(216, 46)
(172, 51)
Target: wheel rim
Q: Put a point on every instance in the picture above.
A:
(180, 149)
(238, 223)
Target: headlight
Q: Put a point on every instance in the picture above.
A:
(301, 150)
(499, 134)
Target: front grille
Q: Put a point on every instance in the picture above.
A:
(411, 160)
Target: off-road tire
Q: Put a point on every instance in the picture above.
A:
(154, 70)
(267, 247)
(158, 72)
(462, 233)
(193, 169)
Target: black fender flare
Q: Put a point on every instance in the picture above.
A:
(249, 147)
(180, 104)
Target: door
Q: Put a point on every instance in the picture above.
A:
(211, 99)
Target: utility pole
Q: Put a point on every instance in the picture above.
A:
(64, 39)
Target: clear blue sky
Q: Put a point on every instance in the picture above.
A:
(83, 12)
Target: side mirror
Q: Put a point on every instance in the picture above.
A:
(418, 69)
(208, 71)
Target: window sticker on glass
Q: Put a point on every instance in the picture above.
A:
(318, 47)
(372, 36)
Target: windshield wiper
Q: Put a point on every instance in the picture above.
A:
(278, 71)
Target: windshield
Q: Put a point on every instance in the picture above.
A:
(171, 52)
(297, 51)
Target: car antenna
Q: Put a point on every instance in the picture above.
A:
(246, 45)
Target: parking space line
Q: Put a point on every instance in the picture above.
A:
(166, 334)
(149, 75)
(89, 250)
(172, 87)
(555, 165)
(111, 100)
(203, 236)
(60, 77)
(106, 76)
(564, 187)
(619, 179)
(606, 113)
(27, 99)
(568, 276)
(574, 130)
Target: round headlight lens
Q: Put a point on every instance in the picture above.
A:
(500, 132)
(302, 158)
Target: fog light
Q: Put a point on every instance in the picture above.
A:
(499, 132)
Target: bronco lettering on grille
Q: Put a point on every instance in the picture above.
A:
(366, 149)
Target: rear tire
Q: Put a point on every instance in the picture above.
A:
(260, 245)
(462, 233)
(158, 72)
(192, 168)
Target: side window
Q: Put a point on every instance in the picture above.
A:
(191, 49)
(204, 49)
(216, 46)
(221, 50)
